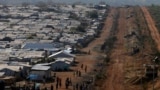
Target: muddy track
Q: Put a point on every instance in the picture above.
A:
(151, 24)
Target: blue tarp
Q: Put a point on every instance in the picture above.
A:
(38, 46)
(33, 77)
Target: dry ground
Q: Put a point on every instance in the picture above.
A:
(156, 37)
(86, 60)
(122, 66)
(152, 27)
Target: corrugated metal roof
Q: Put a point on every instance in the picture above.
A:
(38, 46)
(40, 67)
(61, 54)
(13, 68)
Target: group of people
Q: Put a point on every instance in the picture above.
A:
(82, 86)
(25, 87)
(58, 83)
(77, 73)
(85, 68)
(68, 82)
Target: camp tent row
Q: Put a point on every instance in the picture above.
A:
(63, 61)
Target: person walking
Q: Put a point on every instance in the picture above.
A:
(82, 66)
(66, 84)
(45, 88)
(89, 52)
(77, 86)
(60, 82)
(79, 73)
(70, 81)
(56, 86)
(86, 68)
(52, 87)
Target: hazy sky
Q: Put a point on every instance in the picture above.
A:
(111, 2)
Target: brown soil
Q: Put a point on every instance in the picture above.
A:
(124, 67)
(151, 24)
(115, 71)
(115, 75)
(156, 37)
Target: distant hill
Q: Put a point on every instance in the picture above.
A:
(111, 2)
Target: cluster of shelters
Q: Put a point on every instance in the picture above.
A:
(62, 61)
(35, 41)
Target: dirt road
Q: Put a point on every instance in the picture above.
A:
(151, 24)
(88, 60)
(115, 70)
(120, 58)
(91, 60)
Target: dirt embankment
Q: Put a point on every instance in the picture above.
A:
(115, 71)
(125, 63)
(91, 60)
(156, 37)
(151, 24)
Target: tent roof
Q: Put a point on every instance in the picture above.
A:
(40, 67)
(62, 54)
(39, 46)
